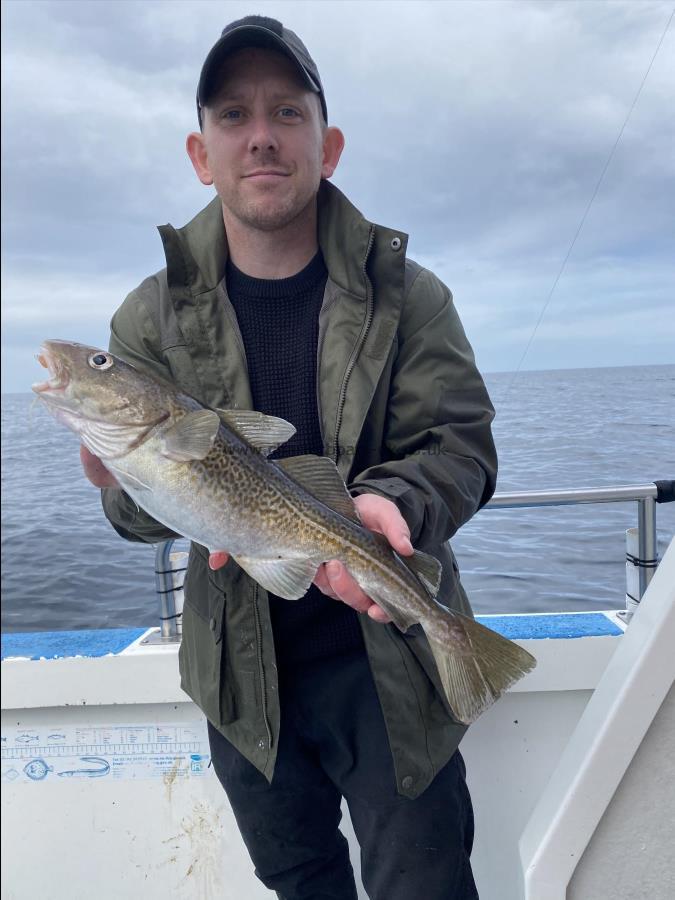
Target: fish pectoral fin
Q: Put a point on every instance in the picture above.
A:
(265, 433)
(126, 479)
(427, 568)
(287, 578)
(319, 475)
(192, 437)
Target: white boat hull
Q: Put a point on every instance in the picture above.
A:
(156, 821)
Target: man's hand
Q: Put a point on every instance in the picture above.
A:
(217, 559)
(95, 471)
(332, 578)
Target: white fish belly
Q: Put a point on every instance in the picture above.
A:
(187, 504)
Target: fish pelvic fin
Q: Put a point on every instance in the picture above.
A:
(476, 665)
(287, 578)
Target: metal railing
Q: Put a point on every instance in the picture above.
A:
(166, 588)
(646, 496)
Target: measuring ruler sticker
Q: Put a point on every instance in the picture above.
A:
(103, 752)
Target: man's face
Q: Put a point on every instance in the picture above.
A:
(263, 145)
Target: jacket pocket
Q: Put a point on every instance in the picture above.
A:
(202, 652)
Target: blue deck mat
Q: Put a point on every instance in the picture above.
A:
(57, 644)
(552, 626)
(102, 641)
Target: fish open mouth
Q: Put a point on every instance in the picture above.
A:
(58, 376)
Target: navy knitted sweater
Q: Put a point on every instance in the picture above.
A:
(279, 324)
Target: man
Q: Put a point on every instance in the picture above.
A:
(280, 296)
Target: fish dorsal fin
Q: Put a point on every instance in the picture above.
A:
(287, 578)
(319, 476)
(427, 568)
(192, 437)
(265, 433)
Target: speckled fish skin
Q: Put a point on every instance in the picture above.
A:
(195, 472)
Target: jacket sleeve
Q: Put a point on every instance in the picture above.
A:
(441, 459)
(134, 338)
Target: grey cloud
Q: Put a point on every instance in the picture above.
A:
(479, 128)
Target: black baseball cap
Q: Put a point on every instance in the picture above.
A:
(257, 31)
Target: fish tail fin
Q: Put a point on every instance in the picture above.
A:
(476, 665)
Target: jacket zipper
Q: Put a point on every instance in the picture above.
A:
(357, 349)
(261, 668)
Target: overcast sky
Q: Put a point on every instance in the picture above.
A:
(480, 128)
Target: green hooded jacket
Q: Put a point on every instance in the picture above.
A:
(404, 413)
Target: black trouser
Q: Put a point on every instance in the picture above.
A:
(333, 743)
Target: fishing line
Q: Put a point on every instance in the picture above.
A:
(588, 207)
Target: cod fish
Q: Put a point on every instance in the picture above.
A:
(204, 473)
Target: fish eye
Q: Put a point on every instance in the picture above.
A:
(100, 360)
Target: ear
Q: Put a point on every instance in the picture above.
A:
(196, 150)
(333, 143)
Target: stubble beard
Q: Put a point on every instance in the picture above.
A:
(268, 216)
(268, 212)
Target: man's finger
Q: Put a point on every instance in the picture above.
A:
(356, 599)
(345, 587)
(394, 528)
(382, 515)
(396, 531)
(400, 541)
(95, 471)
(321, 581)
(378, 614)
(217, 559)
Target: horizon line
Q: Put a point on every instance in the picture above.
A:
(485, 372)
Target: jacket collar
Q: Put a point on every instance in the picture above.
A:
(344, 238)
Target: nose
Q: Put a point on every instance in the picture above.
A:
(262, 138)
